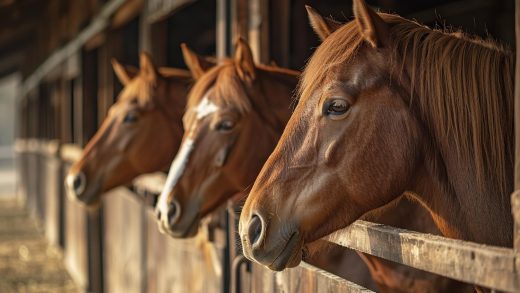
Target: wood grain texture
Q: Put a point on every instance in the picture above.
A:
(484, 265)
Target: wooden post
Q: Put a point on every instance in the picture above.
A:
(259, 30)
(223, 28)
(515, 198)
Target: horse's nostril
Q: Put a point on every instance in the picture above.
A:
(255, 230)
(76, 184)
(173, 213)
(158, 214)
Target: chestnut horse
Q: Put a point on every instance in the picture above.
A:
(266, 125)
(226, 111)
(141, 133)
(389, 107)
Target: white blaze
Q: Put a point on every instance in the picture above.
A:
(175, 173)
(203, 109)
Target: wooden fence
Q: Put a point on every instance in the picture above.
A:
(118, 248)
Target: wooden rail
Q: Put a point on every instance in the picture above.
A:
(487, 266)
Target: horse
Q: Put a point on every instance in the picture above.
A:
(389, 108)
(224, 119)
(196, 172)
(141, 133)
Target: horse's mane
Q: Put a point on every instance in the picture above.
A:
(140, 88)
(229, 88)
(461, 87)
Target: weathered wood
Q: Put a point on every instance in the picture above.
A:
(182, 265)
(51, 173)
(484, 265)
(70, 152)
(97, 25)
(127, 12)
(304, 278)
(123, 242)
(224, 37)
(259, 30)
(152, 182)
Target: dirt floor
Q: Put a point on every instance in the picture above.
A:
(27, 262)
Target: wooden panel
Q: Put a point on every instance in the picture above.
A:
(304, 278)
(487, 266)
(76, 244)
(52, 177)
(32, 182)
(176, 265)
(124, 242)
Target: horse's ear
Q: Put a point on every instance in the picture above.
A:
(371, 25)
(323, 26)
(147, 67)
(244, 60)
(196, 64)
(124, 73)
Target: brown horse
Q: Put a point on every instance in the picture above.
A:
(224, 119)
(197, 172)
(141, 133)
(389, 107)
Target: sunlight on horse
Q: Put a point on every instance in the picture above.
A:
(141, 133)
(224, 118)
(389, 107)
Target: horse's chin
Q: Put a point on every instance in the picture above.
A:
(91, 198)
(290, 257)
(189, 232)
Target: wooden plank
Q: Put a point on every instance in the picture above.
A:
(484, 265)
(76, 242)
(333, 282)
(70, 152)
(259, 30)
(181, 265)
(53, 179)
(224, 38)
(124, 267)
(304, 278)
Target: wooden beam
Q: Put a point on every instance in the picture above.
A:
(224, 38)
(483, 265)
(99, 23)
(331, 281)
(259, 30)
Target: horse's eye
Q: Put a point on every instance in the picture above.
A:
(130, 117)
(225, 125)
(336, 108)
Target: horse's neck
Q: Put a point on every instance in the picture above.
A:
(461, 209)
(277, 88)
(174, 103)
